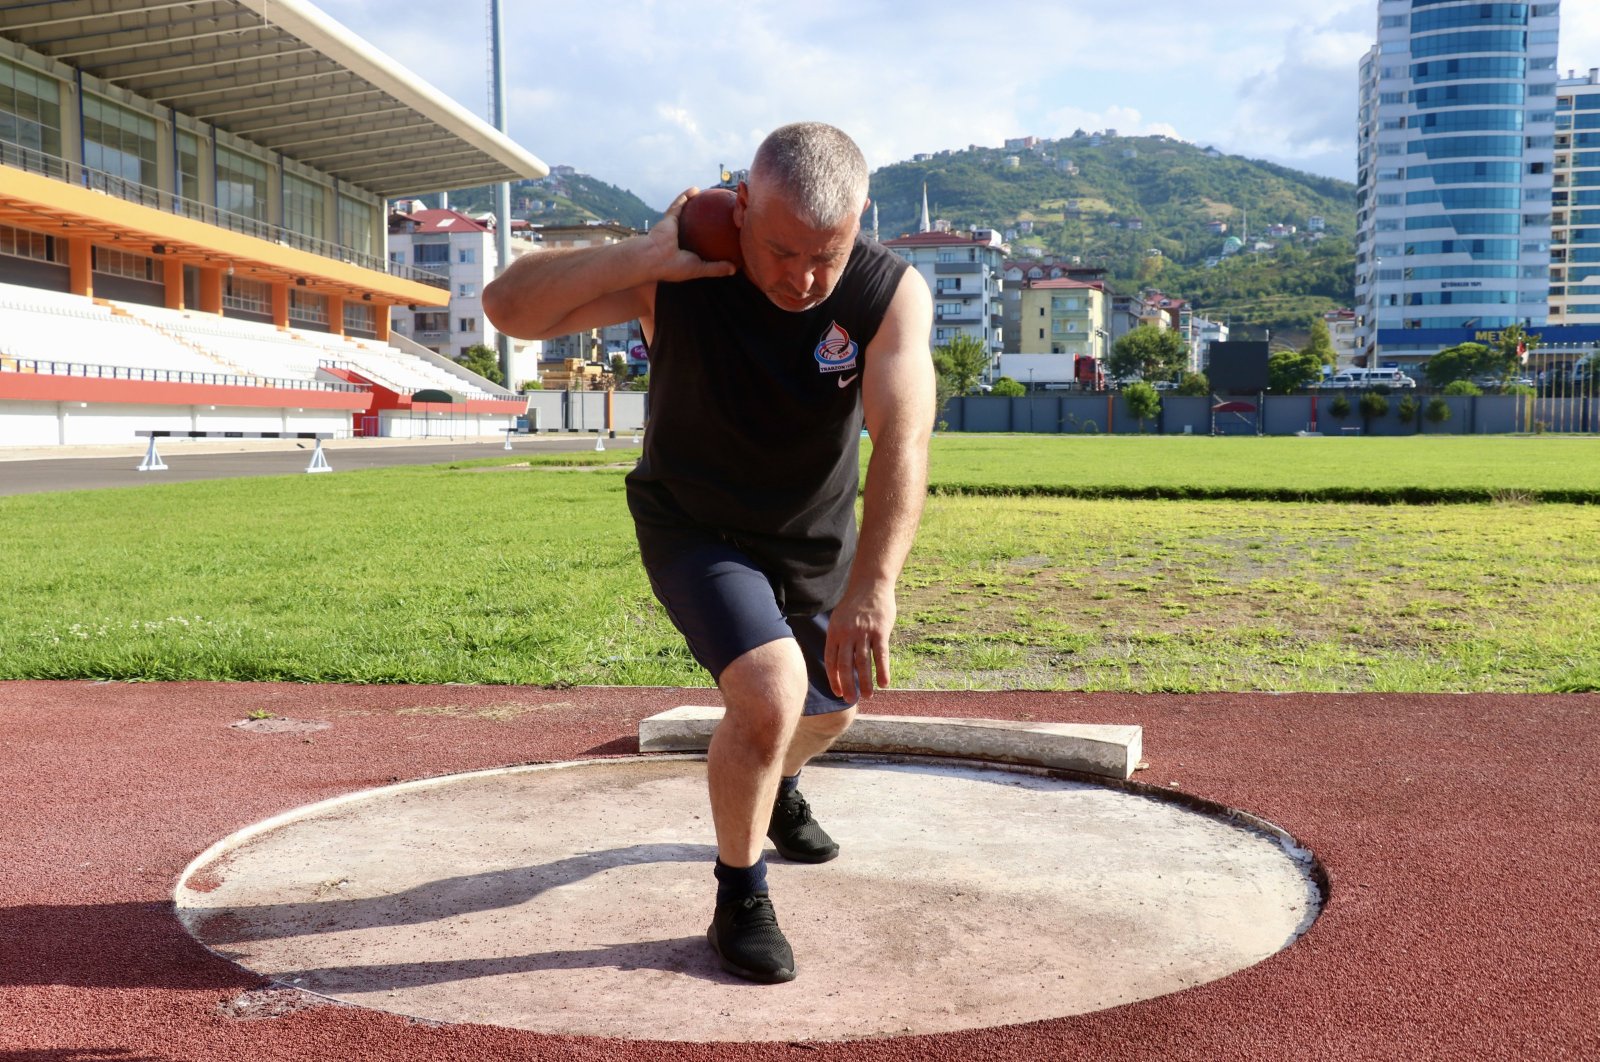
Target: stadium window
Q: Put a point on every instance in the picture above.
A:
(241, 184)
(307, 307)
(303, 206)
(30, 111)
(123, 264)
(355, 226)
(246, 296)
(25, 243)
(189, 171)
(119, 142)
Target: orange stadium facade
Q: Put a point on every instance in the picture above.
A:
(193, 216)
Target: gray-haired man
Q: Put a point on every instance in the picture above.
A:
(744, 499)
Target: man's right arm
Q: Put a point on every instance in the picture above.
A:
(557, 292)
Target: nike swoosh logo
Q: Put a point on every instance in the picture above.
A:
(846, 381)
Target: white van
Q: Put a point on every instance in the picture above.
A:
(1391, 378)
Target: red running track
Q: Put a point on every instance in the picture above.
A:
(1460, 834)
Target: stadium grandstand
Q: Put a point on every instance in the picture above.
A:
(193, 216)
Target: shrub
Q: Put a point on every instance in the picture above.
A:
(1408, 409)
(1373, 404)
(1143, 400)
(1195, 384)
(1006, 387)
(1438, 410)
(1339, 407)
(1462, 387)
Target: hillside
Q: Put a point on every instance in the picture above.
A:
(563, 199)
(1110, 203)
(1114, 202)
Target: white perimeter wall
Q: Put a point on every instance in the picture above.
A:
(72, 424)
(400, 424)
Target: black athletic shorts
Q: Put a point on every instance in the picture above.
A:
(724, 604)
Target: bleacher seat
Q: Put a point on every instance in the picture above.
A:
(51, 326)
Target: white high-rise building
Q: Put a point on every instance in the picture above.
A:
(1456, 151)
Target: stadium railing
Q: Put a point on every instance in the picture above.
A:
(124, 372)
(34, 161)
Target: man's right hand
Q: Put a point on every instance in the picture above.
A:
(677, 263)
(563, 290)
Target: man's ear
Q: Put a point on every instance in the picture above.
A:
(741, 203)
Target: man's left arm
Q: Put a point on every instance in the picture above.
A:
(897, 394)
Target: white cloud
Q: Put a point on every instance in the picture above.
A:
(655, 96)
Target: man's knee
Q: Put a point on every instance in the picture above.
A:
(829, 725)
(764, 692)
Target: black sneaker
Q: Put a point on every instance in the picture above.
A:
(746, 937)
(796, 834)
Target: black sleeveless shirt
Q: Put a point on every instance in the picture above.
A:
(755, 424)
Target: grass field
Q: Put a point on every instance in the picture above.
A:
(495, 573)
(1409, 468)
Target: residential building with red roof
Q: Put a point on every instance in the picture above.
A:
(964, 271)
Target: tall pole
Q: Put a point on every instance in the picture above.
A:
(502, 191)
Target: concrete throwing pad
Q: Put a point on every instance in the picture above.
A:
(574, 898)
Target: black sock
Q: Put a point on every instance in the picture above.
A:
(788, 784)
(736, 883)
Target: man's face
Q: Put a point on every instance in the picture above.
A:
(795, 264)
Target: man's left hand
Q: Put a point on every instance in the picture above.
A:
(857, 651)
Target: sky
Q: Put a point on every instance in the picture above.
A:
(655, 96)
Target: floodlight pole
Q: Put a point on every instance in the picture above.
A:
(502, 191)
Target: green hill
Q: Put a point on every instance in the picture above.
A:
(1110, 204)
(563, 199)
(1113, 203)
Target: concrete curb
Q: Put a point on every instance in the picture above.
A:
(1102, 750)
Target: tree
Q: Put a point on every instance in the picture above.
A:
(1460, 362)
(1438, 410)
(1320, 345)
(1194, 384)
(1373, 405)
(960, 363)
(619, 367)
(1408, 410)
(1289, 371)
(484, 361)
(1514, 346)
(1149, 353)
(1006, 387)
(1340, 407)
(1144, 401)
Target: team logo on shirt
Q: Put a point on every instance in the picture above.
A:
(837, 351)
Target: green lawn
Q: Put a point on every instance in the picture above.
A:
(1423, 468)
(495, 573)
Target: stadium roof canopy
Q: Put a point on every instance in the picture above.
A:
(282, 74)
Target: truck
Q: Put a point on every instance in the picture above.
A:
(1088, 373)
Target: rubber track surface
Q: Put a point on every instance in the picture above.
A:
(1460, 834)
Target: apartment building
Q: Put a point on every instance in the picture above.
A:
(1575, 209)
(964, 271)
(459, 248)
(1061, 320)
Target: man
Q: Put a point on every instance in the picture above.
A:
(744, 499)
